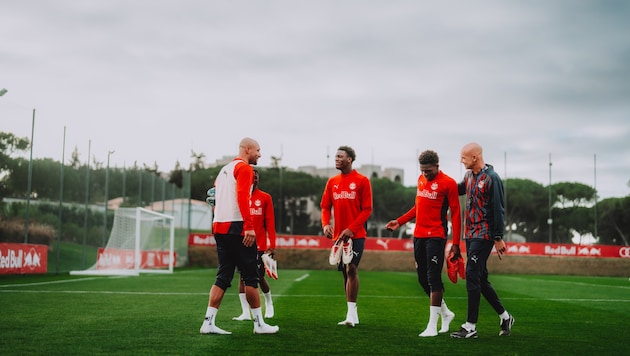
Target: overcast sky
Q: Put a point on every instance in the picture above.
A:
(153, 80)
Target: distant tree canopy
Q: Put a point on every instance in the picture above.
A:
(296, 195)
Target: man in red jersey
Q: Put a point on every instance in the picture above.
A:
(264, 225)
(235, 236)
(349, 196)
(437, 194)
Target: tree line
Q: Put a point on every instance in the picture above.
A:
(574, 206)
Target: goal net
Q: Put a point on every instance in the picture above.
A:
(141, 241)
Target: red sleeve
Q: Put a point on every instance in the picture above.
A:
(326, 205)
(244, 175)
(456, 217)
(407, 217)
(366, 207)
(270, 221)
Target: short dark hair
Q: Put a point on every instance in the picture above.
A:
(349, 151)
(429, 157)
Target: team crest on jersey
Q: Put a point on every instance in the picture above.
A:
(353, 186)
(257, 202)
(434, 186)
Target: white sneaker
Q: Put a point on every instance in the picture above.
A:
(351, 321)
(348, 323)
(242, 317)
(269, 311)
(264, 328)
(347, 253)
(335, 253)
(429, 332)
(446, 321)
(207, 328)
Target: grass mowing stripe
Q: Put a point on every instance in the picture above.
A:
(161, 315)
(277, 295)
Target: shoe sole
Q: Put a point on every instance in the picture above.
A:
(509, 330)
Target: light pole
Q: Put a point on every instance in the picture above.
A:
(106, 196)
(30, 181)
(550, 220)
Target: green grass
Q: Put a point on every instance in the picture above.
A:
(161, 315)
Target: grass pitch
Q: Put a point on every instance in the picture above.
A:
(161, 315)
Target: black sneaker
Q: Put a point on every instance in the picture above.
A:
(506, 326)
(464, 334)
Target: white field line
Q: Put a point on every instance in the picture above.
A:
(105, 292)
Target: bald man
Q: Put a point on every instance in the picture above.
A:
(234, 234)
(483, 230)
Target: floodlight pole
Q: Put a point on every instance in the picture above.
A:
(30, 181)
(63, 154)
(550, 220)
(106, 196)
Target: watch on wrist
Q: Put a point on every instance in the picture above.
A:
(498, 238)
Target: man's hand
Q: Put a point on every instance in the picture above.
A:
(454, 252)
(250, 238)
(392, 225)
(499, 245)
(346, 234)
(328, 231)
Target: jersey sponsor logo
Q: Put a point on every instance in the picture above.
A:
(344, 195)
(257, 202)
(434, 186)
(255, 211)
(353, 186)
(427, 194)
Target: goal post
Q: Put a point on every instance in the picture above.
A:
(141, 241)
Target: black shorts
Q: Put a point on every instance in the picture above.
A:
(358, 246)
(233, 254)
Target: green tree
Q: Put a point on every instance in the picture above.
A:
(527, 211)
(614, 221)
(9, 144)
(390, 200)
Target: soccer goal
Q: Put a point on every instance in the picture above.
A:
(141, 241)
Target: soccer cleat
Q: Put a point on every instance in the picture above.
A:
(464, 334)
(335, 253)
(506, 326)
(451, 268)
(446, 321)
(242, 317)
(461, 267)
(347, 253)
(207, 328)
(271, 266)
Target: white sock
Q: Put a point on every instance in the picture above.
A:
(504, 316)
(244, 305)
(211, 312)
(444, 309)
(469, 326)
(257, 316)
(434, 313)
(267, 297)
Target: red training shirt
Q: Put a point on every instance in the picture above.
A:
(350, 198)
